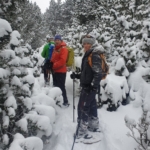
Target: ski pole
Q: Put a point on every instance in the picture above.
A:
(75, 135)
(73, 100)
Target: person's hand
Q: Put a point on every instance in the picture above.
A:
(51, 65)
(73, 75)
(93, 88)
(90, 89)
(87, 89)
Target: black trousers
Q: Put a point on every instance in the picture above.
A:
(59, 80)
(45, 75)
(87, 106)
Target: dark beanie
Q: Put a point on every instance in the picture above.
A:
(58, 37)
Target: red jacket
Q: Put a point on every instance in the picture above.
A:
(59, 58)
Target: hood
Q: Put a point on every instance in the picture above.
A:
(98, 48)
(61, 45)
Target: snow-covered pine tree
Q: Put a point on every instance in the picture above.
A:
(19, 87)
(52, 17)
(5, 31)
(26, 18)
(10, 11)
(57, 17)
(31, 24)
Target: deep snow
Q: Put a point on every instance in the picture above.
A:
(112, 125)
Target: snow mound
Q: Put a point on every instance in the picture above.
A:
(43, 123)
(3, 73)
(43, 99)
(56, 94)
(29, 79)
(114, 88)
(11, 102)
(8, 54)
(5, 27)
(21, 143)
(15, 36)
(46, 111)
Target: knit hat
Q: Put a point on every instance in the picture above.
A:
(58, 37)
(90, 38)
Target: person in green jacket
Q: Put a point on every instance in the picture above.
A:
(47, 54)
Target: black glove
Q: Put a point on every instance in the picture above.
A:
(48, 65)
(94, 88)
(51, 65)
(75, 76)
(88, 89)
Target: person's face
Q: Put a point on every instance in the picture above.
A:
(58, 42)
(87, 46)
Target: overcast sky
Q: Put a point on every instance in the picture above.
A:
(43, 4)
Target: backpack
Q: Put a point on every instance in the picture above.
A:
(104, 65)
(70, 58)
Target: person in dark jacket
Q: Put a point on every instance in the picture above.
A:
(90, 78)
(47, 54)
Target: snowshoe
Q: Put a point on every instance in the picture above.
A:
(88, 139)
(81, 139)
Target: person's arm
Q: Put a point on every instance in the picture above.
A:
(62, 61)
(97, 70)
(43, 54)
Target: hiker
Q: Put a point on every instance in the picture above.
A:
(47, 54)
(90, 78)
(58, 62)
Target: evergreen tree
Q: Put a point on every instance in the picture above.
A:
(10, 11)
(15, 61)
(26, 18)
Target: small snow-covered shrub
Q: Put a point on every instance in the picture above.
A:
(48, 111)
(114, 90)
(139, 91)
(56, 94)
(43, 99)
(21, 143)
(142, 128)
(41, 124)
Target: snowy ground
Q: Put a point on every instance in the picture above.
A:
(112, 125)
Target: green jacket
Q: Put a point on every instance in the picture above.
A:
(45, 52)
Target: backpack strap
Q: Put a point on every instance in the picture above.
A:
(90, 59)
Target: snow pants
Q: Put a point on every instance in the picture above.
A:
(45, 75)
(87, 106)
(59, 80)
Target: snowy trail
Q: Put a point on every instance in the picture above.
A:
(112, 125)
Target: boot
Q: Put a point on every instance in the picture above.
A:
(83, 132)
(93, 124)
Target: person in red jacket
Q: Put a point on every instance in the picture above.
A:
(58, 60)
